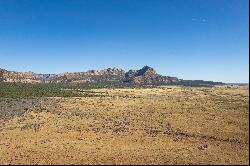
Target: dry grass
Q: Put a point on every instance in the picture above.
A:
(165, 125)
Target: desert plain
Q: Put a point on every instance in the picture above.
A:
(161, 125)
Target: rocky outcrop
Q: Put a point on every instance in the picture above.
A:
(73, 77)
(148, 75)
(95, 75)
(144, 76)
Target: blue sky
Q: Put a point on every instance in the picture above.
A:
(190, 39)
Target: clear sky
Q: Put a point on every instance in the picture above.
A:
(190, 39)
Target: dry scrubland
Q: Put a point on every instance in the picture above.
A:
(165, 125)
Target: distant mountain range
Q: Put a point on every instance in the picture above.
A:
(144, 76)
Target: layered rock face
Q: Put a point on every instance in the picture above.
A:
(73, 77)
(109, 74)
(144, 76)
(25, 77)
